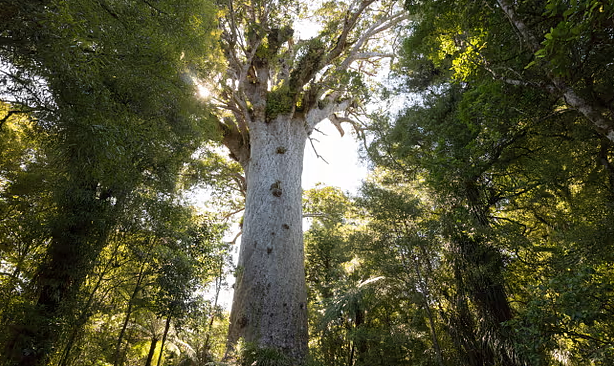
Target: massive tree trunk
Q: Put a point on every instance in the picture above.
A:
(269, 307)
(276, 91)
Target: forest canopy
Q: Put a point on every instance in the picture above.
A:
(484, 234)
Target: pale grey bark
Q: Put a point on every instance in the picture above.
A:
(270, 298)
(276, 98)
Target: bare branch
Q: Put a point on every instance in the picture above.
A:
(380, 26)
(337, 121)
(364, 56)
(316, 151)
(234, 240)
(228, 215)
(241, 183)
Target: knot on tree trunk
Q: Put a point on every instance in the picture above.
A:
(276, 189)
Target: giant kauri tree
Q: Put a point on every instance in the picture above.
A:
(275, 91)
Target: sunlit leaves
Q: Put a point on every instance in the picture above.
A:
(112, 124)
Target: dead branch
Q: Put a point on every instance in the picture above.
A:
(228, 215)
(234, 240)
(316, 151)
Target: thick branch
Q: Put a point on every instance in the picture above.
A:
(337, 121)
(318, 58)
(348, 26)
(363, 56)
(248, 97)
(329, 108)
(378, 27)
(593, 113)
(525, 32)
(235, 141)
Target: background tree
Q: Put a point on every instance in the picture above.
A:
(104, 82)
(373, 280)
(327, 248)
(505, 156)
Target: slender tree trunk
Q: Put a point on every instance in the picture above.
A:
(351, 356)
(13, 283)
(152, 350)
(124, 352)
(218, 288)
(80, 323)
(360, 344)
(166, 328)
(78, 236)
(85, 310)
(270, 301)
(427, 307)
(120, 338)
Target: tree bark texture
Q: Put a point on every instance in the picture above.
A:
(270, 300)
(277, 91)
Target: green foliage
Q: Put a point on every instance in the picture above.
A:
(507, 189)
(279, 101)
(360, 302)
(250, 354)
(578, 40)
(486, 237)
(310, 58)
(156, 270)
(111, 124)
